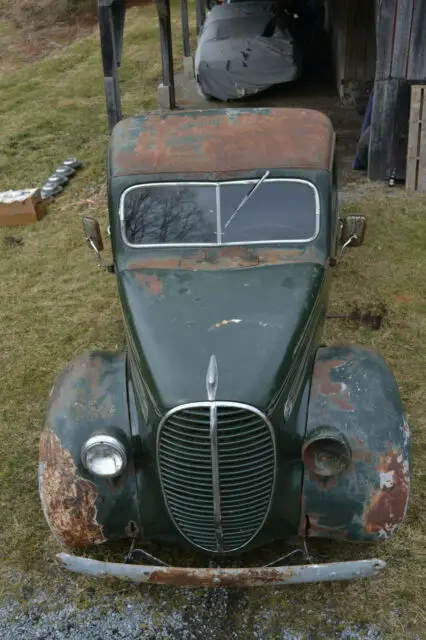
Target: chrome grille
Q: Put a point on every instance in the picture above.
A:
(246, 471)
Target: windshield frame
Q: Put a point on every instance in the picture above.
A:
(217, 185)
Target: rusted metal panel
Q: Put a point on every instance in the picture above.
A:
(68, 501)
(216, 259)
(389, 501)
(223, 140)
(88, 397)
(244, 577)
(354, 391)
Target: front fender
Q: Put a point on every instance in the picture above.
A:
(354, 391)
(88, 397)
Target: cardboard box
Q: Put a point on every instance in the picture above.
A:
(22, 207)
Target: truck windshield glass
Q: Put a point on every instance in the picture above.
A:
(285, 210)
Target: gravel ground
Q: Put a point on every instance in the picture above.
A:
(212, 614)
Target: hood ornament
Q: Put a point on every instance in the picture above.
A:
(212, 379)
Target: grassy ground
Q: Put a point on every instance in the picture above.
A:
(55, 303)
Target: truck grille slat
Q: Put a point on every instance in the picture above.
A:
(245, 454)
(180, 494)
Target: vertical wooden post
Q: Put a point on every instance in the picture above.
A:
(163, 10)
(353, 42)
(200, 14)
(118, 16)
(185, 27)
(109, 61)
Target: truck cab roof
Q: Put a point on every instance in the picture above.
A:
(221, 143)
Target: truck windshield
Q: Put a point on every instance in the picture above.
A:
(279, 210)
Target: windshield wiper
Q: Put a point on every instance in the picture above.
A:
(247, 196)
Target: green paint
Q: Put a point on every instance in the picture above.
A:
(262, 319)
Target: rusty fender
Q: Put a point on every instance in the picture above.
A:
(354, 391)
(244, 577)
(88, 397)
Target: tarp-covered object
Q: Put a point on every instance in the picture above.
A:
(245, 48)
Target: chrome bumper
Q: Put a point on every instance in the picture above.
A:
(244, 577)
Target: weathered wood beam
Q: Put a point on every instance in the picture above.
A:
(381, 161)
(353, 42)
(166, 44)
(200, 14)
(108, 38)
(185, 28)
(400, 61)
(416, 64)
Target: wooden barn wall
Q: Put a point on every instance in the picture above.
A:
(401, 62)
(353, 34)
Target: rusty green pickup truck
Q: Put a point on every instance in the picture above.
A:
(225, 425)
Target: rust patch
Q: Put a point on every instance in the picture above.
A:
(324, 385)
(215, 259)
(360, 453)
(92, 398)
(322, 377)
(388, 504)
(207, 578)
(224, 140)
(150, 282)
(69, 502)
(343, 404)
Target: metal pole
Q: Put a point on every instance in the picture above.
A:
(185, 27)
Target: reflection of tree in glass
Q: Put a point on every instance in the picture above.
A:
(157, 215)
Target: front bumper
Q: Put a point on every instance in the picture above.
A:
(244, 577)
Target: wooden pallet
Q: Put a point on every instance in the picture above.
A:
(416, 153)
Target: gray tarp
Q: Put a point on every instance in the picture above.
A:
(243, 49)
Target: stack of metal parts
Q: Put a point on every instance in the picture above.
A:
(58, 180)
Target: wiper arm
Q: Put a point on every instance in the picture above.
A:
(247, 196)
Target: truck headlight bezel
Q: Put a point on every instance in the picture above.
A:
(326, 452)
(104, 456)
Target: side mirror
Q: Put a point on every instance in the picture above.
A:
(93, 235)
(352, 233)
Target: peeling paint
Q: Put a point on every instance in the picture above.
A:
(386, 480)
(150, 282)
(223, 323)
(388, 504)
(368, 501)
(69, 502)
(229, 577)
(335, 390)
(221, 258)
(194, 142)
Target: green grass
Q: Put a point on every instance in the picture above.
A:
(56, 303)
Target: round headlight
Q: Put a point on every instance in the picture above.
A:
(104, 456)
(326, 452)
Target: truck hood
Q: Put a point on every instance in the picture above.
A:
(251, 319)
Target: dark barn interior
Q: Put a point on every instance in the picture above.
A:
(375, 53)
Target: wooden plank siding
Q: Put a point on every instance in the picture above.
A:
(354, 46)
(401, 62)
